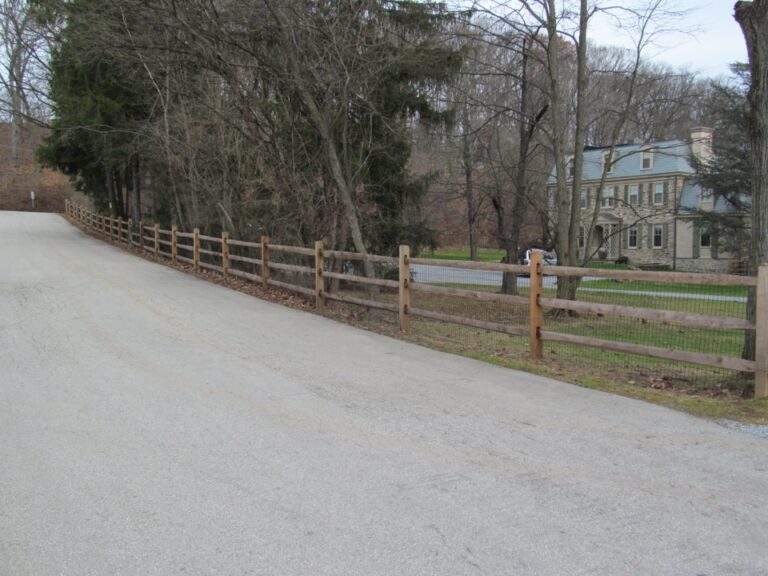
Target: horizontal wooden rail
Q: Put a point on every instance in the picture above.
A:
(236, 258)
(185, 259)
(244, 274)
(667, 316)
(661, 277)
(475, 294)
(211, 266)
(185, 246)
(210, 238)
(292, 268)
(362, 279)
(663, 353)
(209, 252)
(470, 265)
(165, 232)
(362, 257)
(453, 319)
(185, 234)
(294, 287)
(149, 238)
(244, 243)
(292, 249)
(361, 301)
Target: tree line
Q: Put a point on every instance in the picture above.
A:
(298, 118)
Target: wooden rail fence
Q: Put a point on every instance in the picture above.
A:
(186, 247)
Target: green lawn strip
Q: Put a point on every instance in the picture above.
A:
(484, 254)
(689, 305)
(608, 266)
(646, 286)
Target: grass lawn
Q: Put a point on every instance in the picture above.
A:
(608, 266)
(485, 254)
(645, 286)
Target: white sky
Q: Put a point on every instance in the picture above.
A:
(714, 40)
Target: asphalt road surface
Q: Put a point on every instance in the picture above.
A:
(445, 274)
(155, 424)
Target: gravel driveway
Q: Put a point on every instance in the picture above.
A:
(155, 424)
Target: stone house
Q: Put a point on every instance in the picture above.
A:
(648, 206)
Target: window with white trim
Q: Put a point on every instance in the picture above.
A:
(632, 239)
(581, 236)
(646, 159)
(705, 239)
(609, 197)
(570, 167)
(584, 197)
(633, 195)
(658, 193)
(658, 235)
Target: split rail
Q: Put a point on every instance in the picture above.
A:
(188, 247)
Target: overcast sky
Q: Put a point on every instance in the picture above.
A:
(714, 43)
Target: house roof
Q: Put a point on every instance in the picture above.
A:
(670, 156)
(689, 199)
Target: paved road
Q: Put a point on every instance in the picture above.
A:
(445, 274)
(155, 424)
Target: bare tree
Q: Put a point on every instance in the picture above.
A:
(23, 58)
(753, 19)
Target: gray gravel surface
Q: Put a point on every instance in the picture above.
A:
(756, 429)
(155, 424)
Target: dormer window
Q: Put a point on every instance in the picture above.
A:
(570, 168)
(646, 159)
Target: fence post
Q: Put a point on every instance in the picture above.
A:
(319, 278)
(535, 276)
(196, 248)
(129, 235)
(141, 235)
(156, 229)
(174, 243)
(265, 260)
(404, 292)
(761, 332)
(225, 253)
(119, 228)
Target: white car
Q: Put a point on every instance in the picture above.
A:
(550, 258)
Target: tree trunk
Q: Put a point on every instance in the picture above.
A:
(321, 123)
(469, 192)
(110, 191)
(753, 19)
(136, 197)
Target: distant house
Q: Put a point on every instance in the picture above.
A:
(649, 207)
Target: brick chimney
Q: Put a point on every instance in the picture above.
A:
(701, 143)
